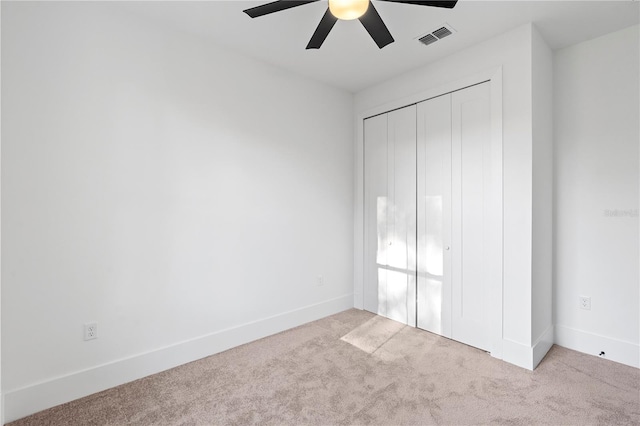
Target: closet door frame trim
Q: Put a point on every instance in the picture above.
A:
(495, 296)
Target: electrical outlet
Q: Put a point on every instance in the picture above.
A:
(584, 303)
(319, 280)
(91, 331)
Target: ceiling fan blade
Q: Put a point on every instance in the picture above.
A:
(275, 6)
(324, 27)
(449, 4)
(375, 27)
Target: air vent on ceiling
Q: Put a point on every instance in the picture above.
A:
(442, 32)
(428, 39)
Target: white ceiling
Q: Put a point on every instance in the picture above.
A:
(349, 58)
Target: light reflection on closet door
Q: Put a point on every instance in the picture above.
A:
(434, 215)
(376, 241)
(390, 215)
(401, 255)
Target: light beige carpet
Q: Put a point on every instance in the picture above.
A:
(356, 368)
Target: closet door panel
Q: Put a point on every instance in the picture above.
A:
(401, 255)
(376, 202)
(471, 180)
(434, 215)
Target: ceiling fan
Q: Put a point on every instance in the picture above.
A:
(346, 10)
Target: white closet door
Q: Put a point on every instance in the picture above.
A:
(434, 215)
(375, 212)
(401, 255)
(471, 186)
(390, 215)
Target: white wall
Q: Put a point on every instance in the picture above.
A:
(513, 52)
(596, 107)
(542, 333)
(184, 197)
(1, 393)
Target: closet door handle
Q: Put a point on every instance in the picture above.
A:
(447, 248)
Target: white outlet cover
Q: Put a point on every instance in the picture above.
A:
(584, 303)
(91, 331)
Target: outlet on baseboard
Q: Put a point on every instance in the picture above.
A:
(91, 331)
(320, 280)
(584, 303)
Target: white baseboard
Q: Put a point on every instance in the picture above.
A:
(358, 303)
(526, 356)
(22, 402)
(543, 345)
(615, 350)
(517, 354)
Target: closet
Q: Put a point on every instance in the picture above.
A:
(427, 180)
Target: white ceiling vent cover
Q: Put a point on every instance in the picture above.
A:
(443, 31)
(428, 39)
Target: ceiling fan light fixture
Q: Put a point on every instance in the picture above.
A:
(348, 9)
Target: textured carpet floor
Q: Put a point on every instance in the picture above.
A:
(357, 368)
